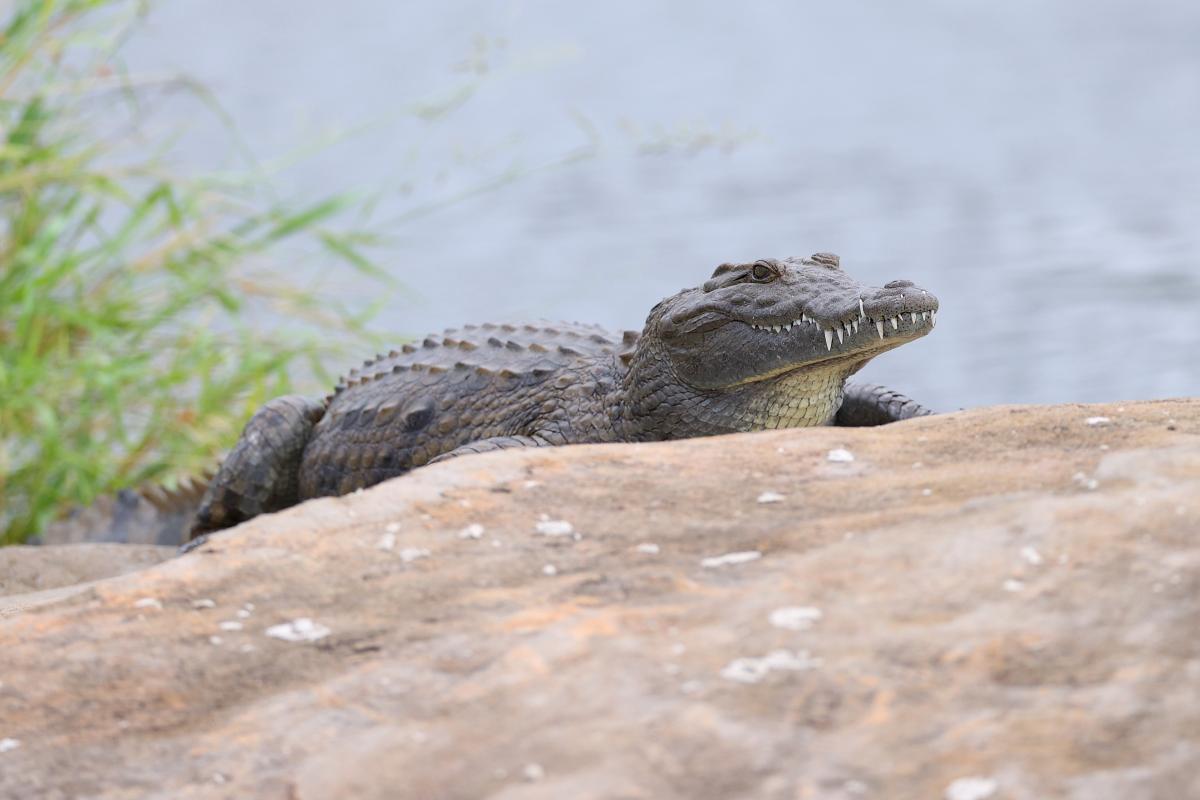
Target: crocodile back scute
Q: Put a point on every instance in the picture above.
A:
(401, 410)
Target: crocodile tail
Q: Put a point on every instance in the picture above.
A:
(147, 515)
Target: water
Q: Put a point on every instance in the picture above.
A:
(1034, 164)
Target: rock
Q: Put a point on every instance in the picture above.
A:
(36, 569)
(948, 659)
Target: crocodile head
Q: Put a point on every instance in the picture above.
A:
(796, 327)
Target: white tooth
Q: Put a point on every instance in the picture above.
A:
(862, 312)
(804, 317)
(913, 317)
(933, 317)
(839, 333)
(828, 339)
(925, 316)
(895, 324)
(846, 328)
(879, 327)
(855, 324)
(795, 322)
(788, 327)
(777, 328)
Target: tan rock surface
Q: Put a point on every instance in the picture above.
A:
(1002, 603)
(26, 570)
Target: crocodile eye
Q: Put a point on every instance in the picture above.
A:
(762, 273)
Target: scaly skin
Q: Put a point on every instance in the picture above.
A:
(767, 344)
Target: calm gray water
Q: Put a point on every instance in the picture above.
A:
(1033, 163)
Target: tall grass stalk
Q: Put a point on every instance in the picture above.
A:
(127, 292)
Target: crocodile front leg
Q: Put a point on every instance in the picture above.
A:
(867, 404)
(261, 473)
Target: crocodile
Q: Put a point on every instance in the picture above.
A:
(760, 345)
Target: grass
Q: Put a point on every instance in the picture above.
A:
(134, 302)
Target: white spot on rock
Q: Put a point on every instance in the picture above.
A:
(1097, 421)
(753, 670)
(1031, 555)
(531, 484)
(392, 527)
(554, 527)
(243, 613)
(203, 602)
(298, 630)
(387, 541)
(533, 772)
(730, 559)
(549, 569)
(795, 618)
(1013, 585)
(230, 625)
(215, 641)
(649, 548)
(971, 789)
(7, 745)
(840, 455)
(770, 497)
(411, 554)
(472, 531)
(149, 602)
(855, 787)
(926, 492)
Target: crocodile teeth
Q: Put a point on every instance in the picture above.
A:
(925, 316)
(879, 327)
(788, 327)
(828, 339)
(862, 312)
(855, 325)
(849, 331)
(839, 334)
(804, 317)
(913, 317)
(933, 317)
(895, 324)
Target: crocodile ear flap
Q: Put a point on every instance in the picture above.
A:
(626, 358)
(713, 283)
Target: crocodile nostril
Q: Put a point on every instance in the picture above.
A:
(898, 284)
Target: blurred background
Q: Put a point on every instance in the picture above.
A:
(1034, 164)
(207, 203)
